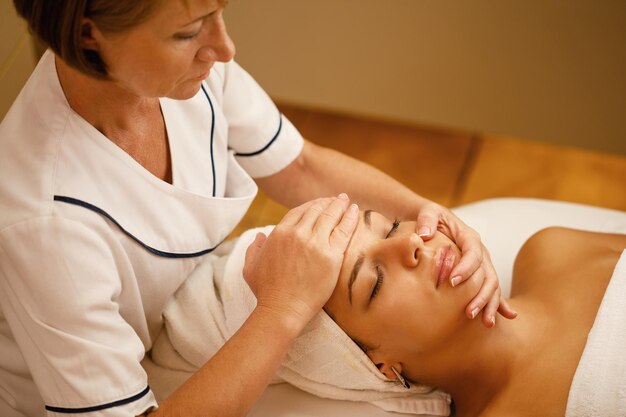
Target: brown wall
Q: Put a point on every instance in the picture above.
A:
(546, 70)
(536, 69)
(17, 55)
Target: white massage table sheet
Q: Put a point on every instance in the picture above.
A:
(504, 225)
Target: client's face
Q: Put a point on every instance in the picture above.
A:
(393, 295)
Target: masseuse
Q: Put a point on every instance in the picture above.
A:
(126, 159)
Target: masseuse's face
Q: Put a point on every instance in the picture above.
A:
(172, 52)
(393, 293)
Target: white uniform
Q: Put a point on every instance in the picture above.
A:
(92, 245)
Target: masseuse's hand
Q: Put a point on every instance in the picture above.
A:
(475, 262)
(295, 269)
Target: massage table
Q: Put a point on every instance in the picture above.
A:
(504, 225)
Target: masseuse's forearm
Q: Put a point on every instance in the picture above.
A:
(321, 171)
(230, 382)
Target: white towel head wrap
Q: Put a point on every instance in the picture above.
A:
(323, 360)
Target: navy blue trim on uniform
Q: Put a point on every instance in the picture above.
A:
(98, 407)
(157, 252)
(280, 126)
(212, 132)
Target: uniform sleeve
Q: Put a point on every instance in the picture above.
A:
(60, 291)
(264, 140)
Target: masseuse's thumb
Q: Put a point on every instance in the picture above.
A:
(427, 221)
(252, 253)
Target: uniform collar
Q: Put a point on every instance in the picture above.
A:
(94, 174)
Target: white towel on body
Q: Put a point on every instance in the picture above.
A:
(599, 384)
(215, 301)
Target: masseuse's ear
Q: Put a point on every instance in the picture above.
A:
(384, 363)
(90, 35)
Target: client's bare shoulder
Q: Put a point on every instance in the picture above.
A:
(559, 279)
(566, 260)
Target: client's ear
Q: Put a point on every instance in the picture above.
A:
(384, 364)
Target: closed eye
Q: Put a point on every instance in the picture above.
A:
(187, 37)
(379, 281)
(394, 227)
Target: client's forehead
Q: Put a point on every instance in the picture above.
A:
(340, 303)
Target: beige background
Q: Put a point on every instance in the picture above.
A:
(17, 55)
(547, 70)
(535, 69)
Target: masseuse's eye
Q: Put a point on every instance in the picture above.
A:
(394, 227)
(190, 34)
(187, 36)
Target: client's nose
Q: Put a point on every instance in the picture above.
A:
(408, 247)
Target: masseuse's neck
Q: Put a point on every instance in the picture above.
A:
(480, 361)
(102, 103)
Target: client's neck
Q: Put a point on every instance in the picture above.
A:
(479, 362)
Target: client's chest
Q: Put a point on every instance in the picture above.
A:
(541, 382)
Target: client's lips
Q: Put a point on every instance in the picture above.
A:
(444, 261)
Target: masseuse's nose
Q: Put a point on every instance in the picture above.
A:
(218, 46)
(405, 248)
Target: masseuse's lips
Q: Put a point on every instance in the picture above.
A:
(203, 75)
(444, 262)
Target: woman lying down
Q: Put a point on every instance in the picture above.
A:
(394, 328)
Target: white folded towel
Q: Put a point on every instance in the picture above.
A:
(215, 301)
(599, 385)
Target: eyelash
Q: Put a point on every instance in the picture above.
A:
(184, 37)
(394, 227)
(379, 272)
(379, 282)
(187, 37)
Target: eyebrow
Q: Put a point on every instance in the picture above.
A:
(355, 271)
(195, 20)
(359, 260)
(367, 215)
(221, 3)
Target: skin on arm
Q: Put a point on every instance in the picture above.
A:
(320, 171)
(292, 274)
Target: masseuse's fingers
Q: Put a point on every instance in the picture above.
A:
(471, 260)
(471, 255)
(294, 216)
(434, 217)
(489, 313)
(491, 290)
(332, 214)
(319, 208)
(252, 254)
(295, 269)
(489, 287)
(342, 233)
(475, 262)
(505, 309)
(335, 224)
(478, 303)
(497, 303)
(490, 310)
(427, 220)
